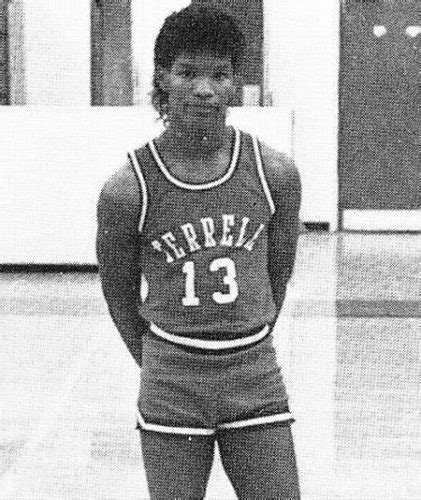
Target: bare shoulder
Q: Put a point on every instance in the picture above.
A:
(120, 199)
(122, 186)
(280, 169)
(283, 179)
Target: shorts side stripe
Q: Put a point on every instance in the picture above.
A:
(270, 419)
(173, 430)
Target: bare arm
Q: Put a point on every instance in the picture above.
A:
(285, 187)
(118, 253)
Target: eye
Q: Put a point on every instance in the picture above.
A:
(221, 75)
(186, 73)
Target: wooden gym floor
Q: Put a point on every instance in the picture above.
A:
(348, 340)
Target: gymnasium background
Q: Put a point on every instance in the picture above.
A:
(74, 82)
(332, 83)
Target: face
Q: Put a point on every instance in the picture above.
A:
(200, 88)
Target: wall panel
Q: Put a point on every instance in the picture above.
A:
(4, 55)
(379, 140)
(111, 57)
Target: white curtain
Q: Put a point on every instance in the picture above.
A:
(147, 19)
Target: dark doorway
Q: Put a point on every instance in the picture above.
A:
(379, 106)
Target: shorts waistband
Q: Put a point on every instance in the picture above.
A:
(211, 345)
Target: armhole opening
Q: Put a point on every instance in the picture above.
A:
(144, 191)
(259, 163)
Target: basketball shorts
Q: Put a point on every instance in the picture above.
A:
(188, 391)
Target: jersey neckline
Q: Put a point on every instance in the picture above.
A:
(208, 185)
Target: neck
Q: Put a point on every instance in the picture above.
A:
(195, 142)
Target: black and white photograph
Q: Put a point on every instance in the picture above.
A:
(210, 250)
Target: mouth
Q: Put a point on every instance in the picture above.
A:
(205, 108)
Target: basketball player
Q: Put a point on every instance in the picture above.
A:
(209, 216)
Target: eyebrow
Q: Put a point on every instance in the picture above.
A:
(192, 65)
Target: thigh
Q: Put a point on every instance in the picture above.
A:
(177, 466)
(176, 388)
(253, 388)
(260, 461)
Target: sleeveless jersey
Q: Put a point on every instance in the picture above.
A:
(204, 246)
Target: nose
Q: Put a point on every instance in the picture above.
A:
(203, 88)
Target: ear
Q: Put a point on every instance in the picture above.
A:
(162, 77)
(236, 90)
(238, 81)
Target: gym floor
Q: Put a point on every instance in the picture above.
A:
(348, 340)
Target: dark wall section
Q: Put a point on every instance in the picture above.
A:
(4, 56)
(97, 56)
(249, 15)
(379, 106)
(111, 57)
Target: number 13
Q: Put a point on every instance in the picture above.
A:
(190, 298)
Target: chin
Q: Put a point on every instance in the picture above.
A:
(204, 122)
(200, 130)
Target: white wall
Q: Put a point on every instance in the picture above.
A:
(55, 160)
(302, 67)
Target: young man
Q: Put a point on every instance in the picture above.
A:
(210, 218)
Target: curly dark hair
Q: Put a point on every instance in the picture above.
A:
(192, 29)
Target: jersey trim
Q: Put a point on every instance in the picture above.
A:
(135, 164)
(262, 176)
(209, 344)
(196, 187)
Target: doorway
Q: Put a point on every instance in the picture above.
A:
(379, 172)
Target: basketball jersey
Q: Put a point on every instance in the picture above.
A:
(204, 246)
